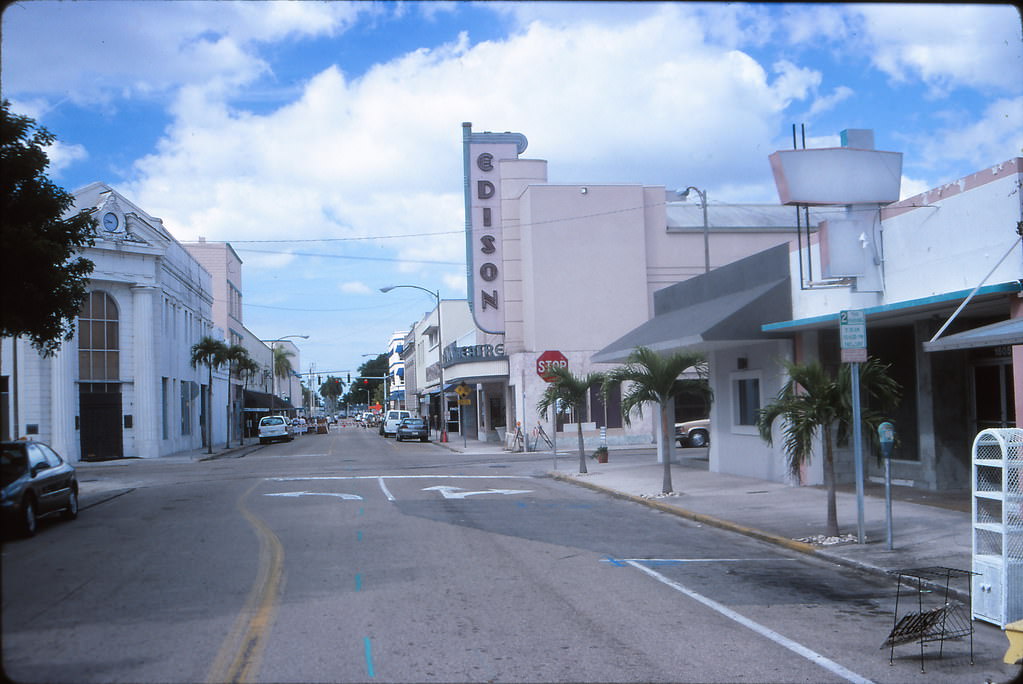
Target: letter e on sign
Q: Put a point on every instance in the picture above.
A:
(548, 359)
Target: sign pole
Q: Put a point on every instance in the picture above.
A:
(554, 433)
(852, 329)
(854, 370)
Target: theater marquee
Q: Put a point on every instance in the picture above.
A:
(484, 258)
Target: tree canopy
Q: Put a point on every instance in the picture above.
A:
(812, 402)
(42, 282)
(655, 378)
(374, 368)
(571, 390)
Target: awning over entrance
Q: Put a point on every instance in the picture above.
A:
(723, 321)
(995, 335)
(261, 400)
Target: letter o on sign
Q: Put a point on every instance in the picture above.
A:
(488, 272)
(546, 361)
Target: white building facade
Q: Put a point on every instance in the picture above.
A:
(396, 370)
(124, 385)
(938, 279)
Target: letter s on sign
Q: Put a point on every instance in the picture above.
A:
(488, 244)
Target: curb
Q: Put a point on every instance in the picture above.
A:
(801, 547)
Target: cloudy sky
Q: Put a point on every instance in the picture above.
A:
(323, 139)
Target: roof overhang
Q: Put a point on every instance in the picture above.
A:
(999, 334)
(721, 322)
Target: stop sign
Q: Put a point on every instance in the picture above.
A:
(545, 361)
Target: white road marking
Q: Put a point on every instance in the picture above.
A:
(793, 646)
(350, 497)
(459, 493)
(383, 486)
(296, 478)
(696, 560)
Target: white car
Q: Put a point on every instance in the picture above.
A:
(275, 428)
(392, 420)
(693, 433)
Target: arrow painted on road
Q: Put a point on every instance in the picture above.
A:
(459, 493)
(347, 497)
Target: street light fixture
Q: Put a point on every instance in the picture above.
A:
(440, 356)
(706, 226)
(273, 369)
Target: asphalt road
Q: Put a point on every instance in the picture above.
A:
(348, 557)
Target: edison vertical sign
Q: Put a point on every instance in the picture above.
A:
(484, 244)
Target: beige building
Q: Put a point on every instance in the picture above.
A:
(560, 271)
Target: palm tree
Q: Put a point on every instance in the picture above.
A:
(210, 353)
(655, 378)
(246, 368)
(281, 365)
(812, 400)
(570, 390)
(232, 356)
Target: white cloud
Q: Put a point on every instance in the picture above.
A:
(997, 135)
(947, 46)
(826, 103)
(355, 288)
(99, 52)
(381, 154)
(912, 186)
(62, 156)
(809, 24)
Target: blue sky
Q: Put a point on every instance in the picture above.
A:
(264, 123)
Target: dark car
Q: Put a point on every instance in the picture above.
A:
(36, 482)
(412, 428)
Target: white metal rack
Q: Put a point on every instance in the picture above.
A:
(997, 523)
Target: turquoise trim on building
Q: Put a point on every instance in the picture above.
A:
(814, 321)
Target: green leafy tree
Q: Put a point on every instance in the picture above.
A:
(233, 355)
(42, 282)
(813, 401)
(282, 368)
(331, 390)
(246, 369)
(571, 391)
(654, 378)
(374, 368)
(210, 353)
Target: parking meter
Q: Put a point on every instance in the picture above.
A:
(886, 435)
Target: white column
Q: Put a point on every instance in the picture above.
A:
(63, 400)
(147, 416)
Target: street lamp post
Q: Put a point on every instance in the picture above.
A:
(706, 226)
(273, 366)
(440, 356)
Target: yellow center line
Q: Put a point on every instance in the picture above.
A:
(239, 656)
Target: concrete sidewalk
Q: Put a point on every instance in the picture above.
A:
(928, 530)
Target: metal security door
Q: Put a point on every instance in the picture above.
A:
(101, 431)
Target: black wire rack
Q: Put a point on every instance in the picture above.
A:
(943, 622)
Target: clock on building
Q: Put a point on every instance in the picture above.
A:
(110, 222)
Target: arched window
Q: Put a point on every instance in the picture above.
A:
(98, 339)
